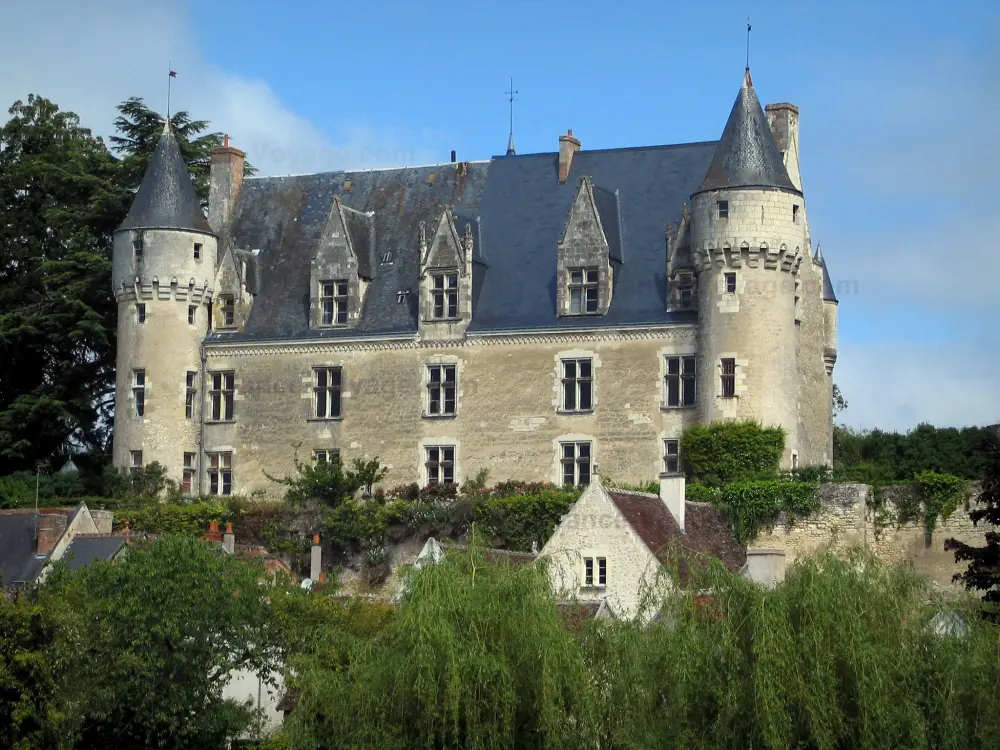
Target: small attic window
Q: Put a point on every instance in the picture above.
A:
(723, 209)
(348, 184)
(137, 248)
(387, 257)
(401, 296)
(795, 214)
(197, 251)
(431, 178)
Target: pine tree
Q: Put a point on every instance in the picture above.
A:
(60, 201)
(139, 129)
(983, 573)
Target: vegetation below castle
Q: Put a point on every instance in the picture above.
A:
(845, 653)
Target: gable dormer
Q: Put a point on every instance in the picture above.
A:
(446, 278)
(235, 287)
(681, 277)
(590, 242)
(341, 268)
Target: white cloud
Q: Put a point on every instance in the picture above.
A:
(101, 52)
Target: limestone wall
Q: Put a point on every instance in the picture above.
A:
(845, 520)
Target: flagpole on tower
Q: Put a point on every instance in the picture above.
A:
(170, 76)
(748, 43)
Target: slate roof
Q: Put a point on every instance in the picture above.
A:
(706, 530)
(519, 210)
(18, 561)
(166, 197)
(86, 549)
(748, 155)
(828, 293)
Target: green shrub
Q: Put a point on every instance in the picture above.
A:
(168, 518)
(754, 505)
(731, 452)
(515, 521)
(699, 493)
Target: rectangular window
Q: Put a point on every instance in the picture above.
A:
(220, 473)
(441, 389)
(680, 381)
(685, 291)
(578, 385)
(197, 251)
(671, 456)
(134, 460)
(723, 209)
(595, 571)
(139, 391)
(445, 295)
(140, 313)
(795, 214)
(327, 392)
(222, 395)
(326, 456)
(192, 314)
(728, 378)
(730, 283)
(137, 248)
(187, 482)
(190, 396)
(228, 307)
(440, 464)
(576, 463)
(583, 288)
(333, 301)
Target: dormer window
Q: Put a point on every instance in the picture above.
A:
(444, 290)
(197, 251)
(685, 291)
(723, 209)
(333, 299)
(583, 289)
(228, 308)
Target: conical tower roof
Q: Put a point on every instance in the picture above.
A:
(747, 155)
(828, 294)
(166, 197)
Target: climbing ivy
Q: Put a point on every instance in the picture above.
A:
(939, 496)
(754, 505)
(731, 452)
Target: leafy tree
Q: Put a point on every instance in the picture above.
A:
(166, 626)
(60, 201)
(983, 573)
(369, 473)
(139, 129)
(839, 402)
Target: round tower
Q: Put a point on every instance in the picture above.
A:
(163, 268)
(748, 239)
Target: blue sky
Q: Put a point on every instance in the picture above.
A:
(899, 110)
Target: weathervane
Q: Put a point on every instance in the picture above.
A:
(510, 100)
(748, 43)
(170, 76)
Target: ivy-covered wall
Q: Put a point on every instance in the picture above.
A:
(846, 517)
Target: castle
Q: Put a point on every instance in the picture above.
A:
(533, 315)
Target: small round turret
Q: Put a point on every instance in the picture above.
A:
(163, 268)
(748, 240)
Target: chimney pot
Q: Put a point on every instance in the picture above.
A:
(225, 141)
(213, 526)
(316, 560)
(229, 527)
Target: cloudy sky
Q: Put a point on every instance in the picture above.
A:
(899, 110)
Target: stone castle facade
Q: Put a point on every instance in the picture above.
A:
(534, 315)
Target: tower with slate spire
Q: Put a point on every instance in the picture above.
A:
(750, 246)
(163, 267)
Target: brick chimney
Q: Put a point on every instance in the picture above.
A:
(784, 121)
(225, 182)
(51, 527)
(568, 145)
(229, 539)
(316, 560)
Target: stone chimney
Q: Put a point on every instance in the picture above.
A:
(568, 145)
(784, 121)
(51, 527)
(103, 520)
(229, 539)
(672, 494)
(766, 566)
(224, 189)
(316, 560)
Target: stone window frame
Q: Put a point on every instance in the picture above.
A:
(727, 380)
(190, 393)
(219, 468)
(559, 458)
(326, 455)
(189, 472)
(227, 311)
(198, 247)
(139, 384)
(222, 397)
(559, 401)
(675, 456)
(729, 280)
(722, 207)
(430, 384)
(685, 283)
(589, 281)
(595, 558)
(134, 461)
(334, 308)
(138, 247)
(330, 388)
(447, 292)
(192, 315)
(140, 313)
(665, 373)
(438, 443)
